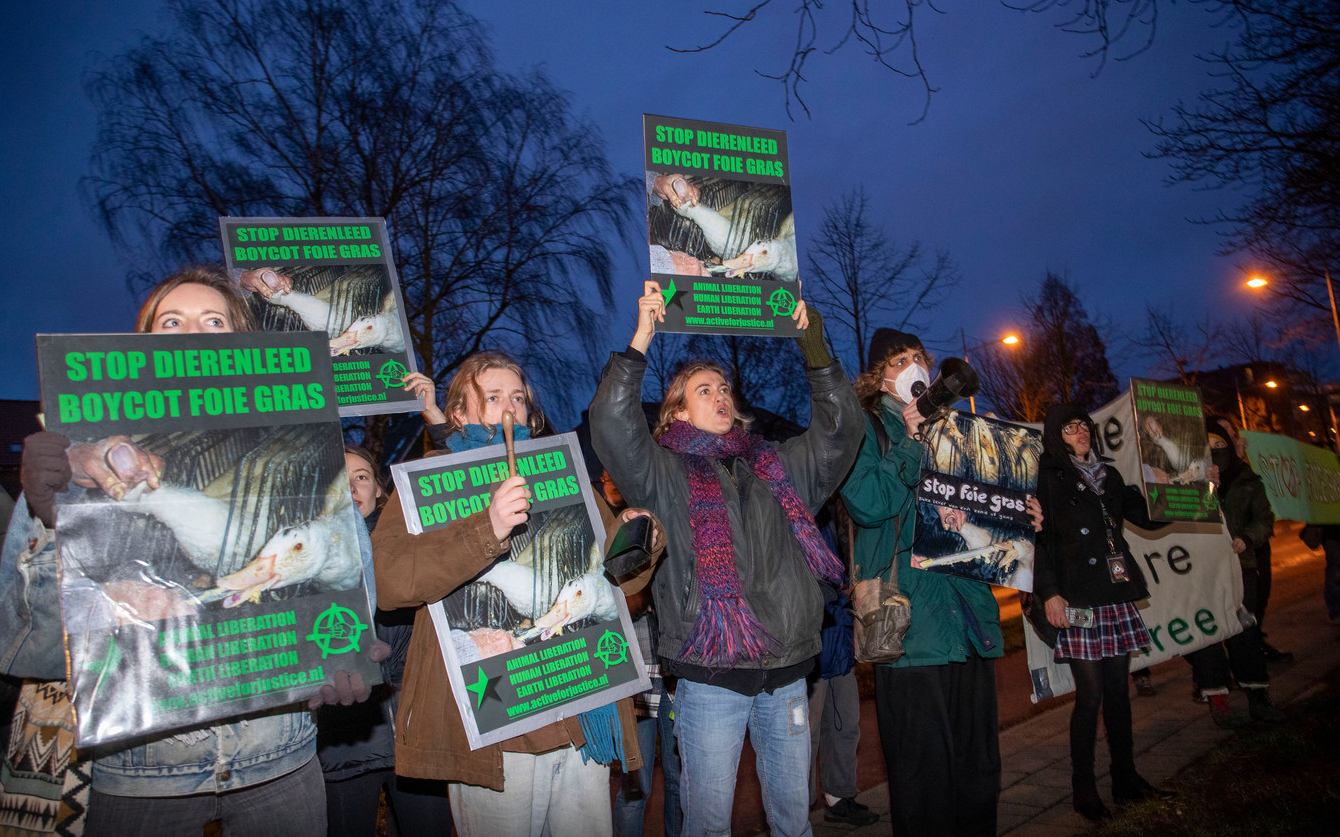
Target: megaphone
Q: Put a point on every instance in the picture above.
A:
(955, 381)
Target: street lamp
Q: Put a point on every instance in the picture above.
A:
(1259, 281)
(1011, 339)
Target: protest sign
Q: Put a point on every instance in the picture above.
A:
(208, 541)
(719, 225)
(1195, 584)
(1301, 480)
(541, 635)
(977, 474)
(1174, 451)
(334, 276)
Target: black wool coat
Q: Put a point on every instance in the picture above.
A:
(1072, 548)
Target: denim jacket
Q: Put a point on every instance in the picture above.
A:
(222, 757)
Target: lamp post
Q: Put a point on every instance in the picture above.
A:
(1259, 281)
(1010, 340)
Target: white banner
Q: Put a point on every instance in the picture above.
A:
(1195, 585)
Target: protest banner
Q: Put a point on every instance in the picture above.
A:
(1301, 480)
(225, 577)
(334, 276)
(572, 646)
(1174, 451)
(1195, 584)
(977, 474)
(719, 226)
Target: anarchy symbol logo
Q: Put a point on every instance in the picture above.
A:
(333, 625)
(391, 373)
(612, 649)
(781, 302)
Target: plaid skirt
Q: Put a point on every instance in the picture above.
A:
(1118, 629)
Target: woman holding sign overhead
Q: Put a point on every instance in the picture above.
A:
(739, 598)
(554, 780)
(257, 775)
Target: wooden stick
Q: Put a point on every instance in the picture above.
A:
(507, 422)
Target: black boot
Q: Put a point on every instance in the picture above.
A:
(1086, 800)
(1260, 707)
(1134, 788)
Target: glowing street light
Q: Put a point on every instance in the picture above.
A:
(1259, 281)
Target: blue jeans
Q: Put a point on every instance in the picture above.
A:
(710, 723)
(629, 814)
(290, 806)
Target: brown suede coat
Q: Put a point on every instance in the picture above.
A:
(430, 741)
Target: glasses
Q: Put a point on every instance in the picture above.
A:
(1072, 428)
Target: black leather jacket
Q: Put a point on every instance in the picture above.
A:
(777, 583)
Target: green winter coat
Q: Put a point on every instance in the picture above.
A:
(879, 495)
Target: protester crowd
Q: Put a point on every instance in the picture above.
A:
(742, 614)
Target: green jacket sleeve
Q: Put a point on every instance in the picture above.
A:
(880, 487)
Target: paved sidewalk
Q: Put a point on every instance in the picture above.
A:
(1171, 733)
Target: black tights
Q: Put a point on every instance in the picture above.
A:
(1102, 684)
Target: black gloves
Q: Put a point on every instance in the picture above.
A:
(45, 473)
(811, 341)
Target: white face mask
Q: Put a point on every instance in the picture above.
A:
(902, 385)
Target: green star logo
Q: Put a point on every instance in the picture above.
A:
(483, 687)
(109, 661)
(334, 626)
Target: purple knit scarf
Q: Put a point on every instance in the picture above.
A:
(727, 630)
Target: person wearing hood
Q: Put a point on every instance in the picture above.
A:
(1250, 522)
(936, 705)
(1082, 563)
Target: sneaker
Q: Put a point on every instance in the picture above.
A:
(1258, 703)
(1143, 686)
(1276, 656)
(1222, 713)
(851, 812)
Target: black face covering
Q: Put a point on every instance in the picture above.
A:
(1222, 457)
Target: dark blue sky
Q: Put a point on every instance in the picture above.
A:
(1024, 163)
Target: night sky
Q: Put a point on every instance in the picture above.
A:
(1024, 163)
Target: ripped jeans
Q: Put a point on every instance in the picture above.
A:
(710, 724)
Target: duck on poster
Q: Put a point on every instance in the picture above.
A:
(334, 276)
(972, 521)
(542, 634)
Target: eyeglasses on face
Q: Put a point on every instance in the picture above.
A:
(1071, 428)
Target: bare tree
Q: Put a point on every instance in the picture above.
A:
(886, 32)
(862, 280)
(1063, 359)
(1271, 131)
(1176, 348)
(500, 204)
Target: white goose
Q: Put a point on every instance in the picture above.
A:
(323, 550)
(379, 330)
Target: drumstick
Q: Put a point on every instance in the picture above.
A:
(507, 422)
